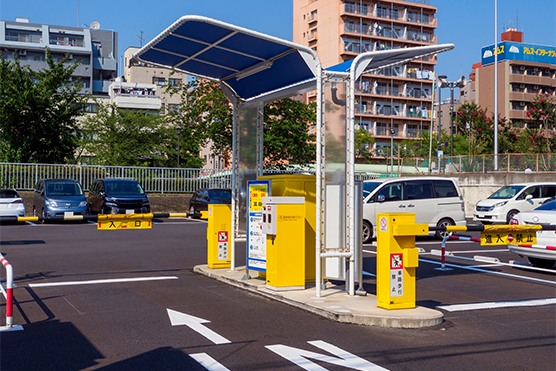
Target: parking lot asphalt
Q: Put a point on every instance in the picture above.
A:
(89, 299)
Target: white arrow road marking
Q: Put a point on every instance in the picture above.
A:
(301, 357)
(195, 323)
(208, 362)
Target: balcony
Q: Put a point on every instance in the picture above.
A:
(24, 38)
(134, 96)
(312, 36)
(312, 19)
(67, 41)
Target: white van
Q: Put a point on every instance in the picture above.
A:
(509, 200)
(436, 201)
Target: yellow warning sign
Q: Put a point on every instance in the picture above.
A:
(256, 194)
(507, 238)
(114, 224)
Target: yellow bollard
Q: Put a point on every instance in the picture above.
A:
(397, 259)
(219, 236)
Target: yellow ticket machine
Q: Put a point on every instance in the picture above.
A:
(284, 226)
(219, 235)
(397, 259)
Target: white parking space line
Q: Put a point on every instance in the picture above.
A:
(497, 304)
(94, 282)
(488, 271)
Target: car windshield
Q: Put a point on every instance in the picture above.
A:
(8, 193)
(369, 187)
(507, 192)
(550, 206)
(63, 189)
(123, 188)
(220, 194)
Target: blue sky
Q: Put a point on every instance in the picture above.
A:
(469, 24)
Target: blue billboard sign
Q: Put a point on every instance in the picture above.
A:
(519, 52)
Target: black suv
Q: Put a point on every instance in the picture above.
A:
(117, 196)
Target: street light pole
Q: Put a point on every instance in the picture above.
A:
(452, 120)
(178, 129)
(391, 150)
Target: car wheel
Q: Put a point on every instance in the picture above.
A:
(443, 223)
(541, 263)
(511, 214)
(367, 232)
(191, 211)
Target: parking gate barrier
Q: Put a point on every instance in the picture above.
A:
(397, 259)
(94, 218)
(8, 292)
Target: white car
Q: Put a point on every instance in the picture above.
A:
(11, 204)
(509, 200)
(543, 253)
(436, 201)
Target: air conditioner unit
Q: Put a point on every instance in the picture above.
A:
(22, 52)
(521, 86)
(522, 68)
(522, 104)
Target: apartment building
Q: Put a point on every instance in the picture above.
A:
(524, 71)
(158, 78)
(397, 98)
(96, 49)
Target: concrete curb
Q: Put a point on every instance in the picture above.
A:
(334, 303)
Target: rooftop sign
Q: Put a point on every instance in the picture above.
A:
(519, 52)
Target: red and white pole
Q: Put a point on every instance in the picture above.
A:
(9, 291)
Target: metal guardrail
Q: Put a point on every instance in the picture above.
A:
(155, 180)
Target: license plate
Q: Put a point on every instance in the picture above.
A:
(68, 213)
(481, 215)
(130, 211)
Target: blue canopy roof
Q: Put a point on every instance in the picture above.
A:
(250, 63)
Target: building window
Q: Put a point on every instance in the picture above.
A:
(172, 82)
(382, 128)
(161, 81)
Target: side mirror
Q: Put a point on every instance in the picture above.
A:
(381, 198)
(528, 197)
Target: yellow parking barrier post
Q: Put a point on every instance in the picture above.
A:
(397, 259)
(219, 234)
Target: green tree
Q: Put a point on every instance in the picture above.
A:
(286, 134)
(208, 114)
(363, 145)
(39, 111)
(471, 122)
(541, 122)
(126, 138)
(205, 114)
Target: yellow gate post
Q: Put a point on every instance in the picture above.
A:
(397, 259)
(219, 235)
